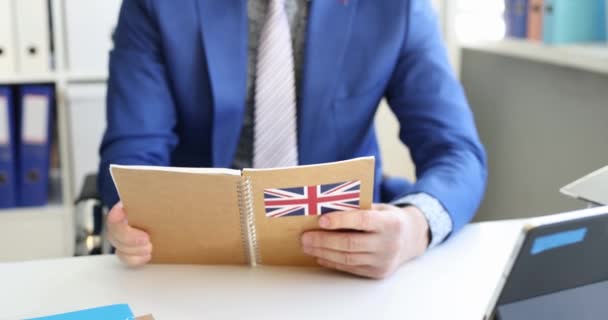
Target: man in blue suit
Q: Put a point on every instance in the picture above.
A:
(189, 81)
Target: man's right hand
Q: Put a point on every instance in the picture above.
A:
(133, 246)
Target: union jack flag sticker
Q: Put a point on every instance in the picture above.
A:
(312, 200)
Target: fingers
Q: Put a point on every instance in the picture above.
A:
(342, 241)
(343, 258)
(363, 271)
(133, 246)
(363, 220)
(133, 260)
(121, 232)
(143, 249)
(117, 214)
(382, 207)
(382, 244)
(127, 236)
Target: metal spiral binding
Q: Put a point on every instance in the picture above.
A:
(248, 231)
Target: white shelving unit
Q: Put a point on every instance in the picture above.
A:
(46, 232)
(20, 79)
(592, 57)
(86, 78)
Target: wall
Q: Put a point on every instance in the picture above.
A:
(395, 155)
(543, 126)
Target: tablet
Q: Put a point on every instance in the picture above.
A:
(558, 270)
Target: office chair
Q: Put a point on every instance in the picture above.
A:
(89, 220)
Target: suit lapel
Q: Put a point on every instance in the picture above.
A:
(224, 36)
(328, 33)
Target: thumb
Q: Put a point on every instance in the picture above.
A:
(117, 215)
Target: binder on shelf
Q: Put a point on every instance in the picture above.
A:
(35, 140)
(535, 20)
(604, 19)
(8, 60)
(567, 21)
(33, 36)
(600, 20)
(88, 48)
(8, 162)
(516, 18)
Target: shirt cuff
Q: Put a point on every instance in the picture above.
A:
(439, 220)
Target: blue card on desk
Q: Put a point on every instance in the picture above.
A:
(113, 312)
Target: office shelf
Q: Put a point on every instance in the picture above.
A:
(86, 78)
(47, 231)
(591, 57)
(52, 77)
(27, 78)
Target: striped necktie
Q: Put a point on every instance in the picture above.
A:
(275, 141)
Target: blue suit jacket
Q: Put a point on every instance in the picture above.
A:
(178, 72)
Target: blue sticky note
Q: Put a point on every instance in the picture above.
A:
(558, 240)
(114, 312)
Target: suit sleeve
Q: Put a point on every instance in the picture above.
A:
(141, 113)
(436, 121)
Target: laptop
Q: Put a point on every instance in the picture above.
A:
(558, 270)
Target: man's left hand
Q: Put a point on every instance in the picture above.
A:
(370, 243)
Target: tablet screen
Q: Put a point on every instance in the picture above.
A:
(559, 261)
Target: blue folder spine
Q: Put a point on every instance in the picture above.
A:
(35, 146)
(579, 21)
(8, 149)
(603, 20)
(548, 22)
(516, 18)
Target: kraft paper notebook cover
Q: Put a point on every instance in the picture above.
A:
(253, 216)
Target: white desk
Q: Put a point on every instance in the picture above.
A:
(454, 281)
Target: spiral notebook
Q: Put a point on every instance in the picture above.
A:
(250, 216)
